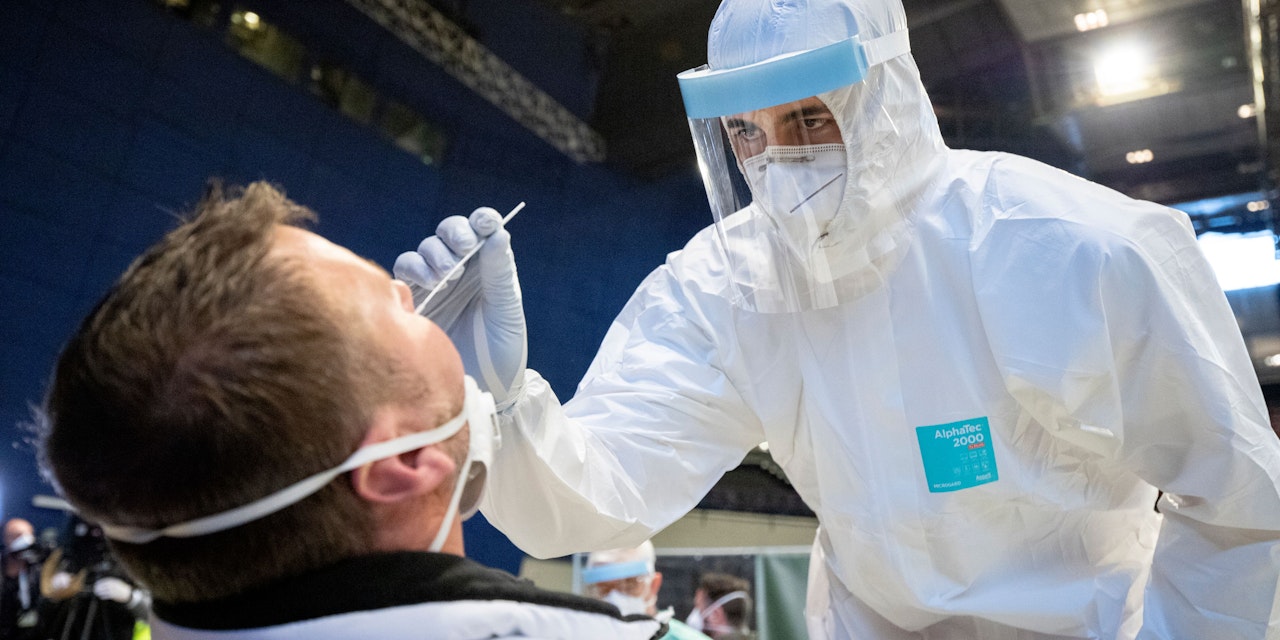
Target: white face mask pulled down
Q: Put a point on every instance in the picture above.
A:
(799, 188)
(478, 411)
(697, 619)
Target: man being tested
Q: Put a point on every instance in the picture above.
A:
(279, 447)
(977, 370)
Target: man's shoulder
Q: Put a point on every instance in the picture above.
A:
(1031, 199)
(395, 591)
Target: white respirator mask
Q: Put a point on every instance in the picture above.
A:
(799, 187)
(627, 603)
(477, 411)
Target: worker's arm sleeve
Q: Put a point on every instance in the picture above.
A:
(654, 425)
(1121, 341)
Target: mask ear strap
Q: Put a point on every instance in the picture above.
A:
(473, 410)
(447, 523)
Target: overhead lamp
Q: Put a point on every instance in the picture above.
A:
(1141, 156)
(1091, 20)
(1247, 111)
(1272, 360)
(1258, 205)
(251, 20)
(1123, 70)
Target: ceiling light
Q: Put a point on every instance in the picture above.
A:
(1141, 156)
(1272, 360)
(1258, 205)
(1123, 70)
(1247, 111)
(1091, 20)
(251, 20)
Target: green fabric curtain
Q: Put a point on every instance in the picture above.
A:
(781, 584)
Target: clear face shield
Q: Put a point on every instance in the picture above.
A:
(780, 150)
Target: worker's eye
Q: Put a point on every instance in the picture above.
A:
(746, 133)
(816, 123)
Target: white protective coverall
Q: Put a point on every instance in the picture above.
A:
(1080, 332)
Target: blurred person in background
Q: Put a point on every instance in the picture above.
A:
(22, 557)
(722, 607)
(628, 579)
(87, 595)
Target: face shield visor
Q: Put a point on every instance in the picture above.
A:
(787, 151)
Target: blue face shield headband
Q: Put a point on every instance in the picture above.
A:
(616, 571)
(712, 93)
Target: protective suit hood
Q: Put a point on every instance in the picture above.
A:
(892, 143)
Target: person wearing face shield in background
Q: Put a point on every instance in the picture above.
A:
(628, 579)
(979, 371)
(278, 446)
(722, 607)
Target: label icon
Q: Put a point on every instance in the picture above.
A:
(957, 455)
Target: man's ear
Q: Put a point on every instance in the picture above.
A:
(407, 475)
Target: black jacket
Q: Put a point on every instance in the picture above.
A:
(400, 595)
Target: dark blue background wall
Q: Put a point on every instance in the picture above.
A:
(114, 113)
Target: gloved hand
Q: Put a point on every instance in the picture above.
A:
(481, 309)
(113, 589)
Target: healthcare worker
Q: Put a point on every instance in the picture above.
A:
(977, 370)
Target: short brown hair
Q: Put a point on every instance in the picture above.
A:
(210, 375)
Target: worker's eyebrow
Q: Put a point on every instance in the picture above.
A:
(805, 112)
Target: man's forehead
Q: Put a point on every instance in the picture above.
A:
(290, 239)
(296, 239)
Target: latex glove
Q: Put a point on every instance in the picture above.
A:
(481, 309)
(113, 589)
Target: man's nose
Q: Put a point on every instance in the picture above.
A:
(785, 137)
